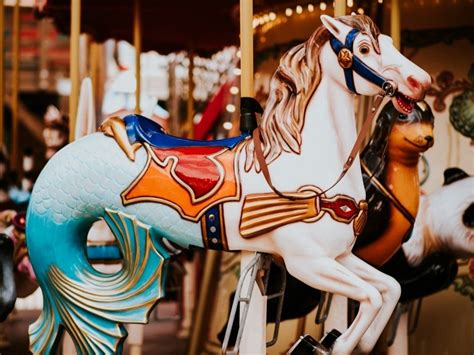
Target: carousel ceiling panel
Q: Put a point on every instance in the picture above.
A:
(168, 26)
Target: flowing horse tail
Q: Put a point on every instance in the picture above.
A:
(92, 306)
(80, 185)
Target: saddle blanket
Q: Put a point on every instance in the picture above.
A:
(190, 179)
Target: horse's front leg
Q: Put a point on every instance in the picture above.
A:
(327, 274)
(388, 287)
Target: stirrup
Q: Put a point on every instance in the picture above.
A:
(259, 267)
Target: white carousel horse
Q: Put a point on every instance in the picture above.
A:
(167, 191)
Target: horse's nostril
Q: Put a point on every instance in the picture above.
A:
(468, 216)
(415, 84)
(429, 139)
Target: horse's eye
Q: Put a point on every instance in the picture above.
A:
(364, 49)
(402, 117)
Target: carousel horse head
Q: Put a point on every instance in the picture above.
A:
(370, 62)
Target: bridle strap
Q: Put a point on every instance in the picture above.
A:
(389, 194)
(336, 46)
(350, 63)
(350, 160)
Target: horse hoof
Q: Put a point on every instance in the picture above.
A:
(307, 345)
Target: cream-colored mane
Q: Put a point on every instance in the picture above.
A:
(291, 88)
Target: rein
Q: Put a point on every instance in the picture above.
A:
(350, 160)
(349, 63)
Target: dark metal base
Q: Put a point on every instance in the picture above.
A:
(307, 345)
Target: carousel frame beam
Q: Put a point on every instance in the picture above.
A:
(74, 65)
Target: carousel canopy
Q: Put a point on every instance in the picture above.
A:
(167, 26)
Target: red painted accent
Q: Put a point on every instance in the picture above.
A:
(194, 167)
(212, 112)
(338, 205)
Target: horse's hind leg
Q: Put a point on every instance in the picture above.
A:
(387, 286)
(328, 275)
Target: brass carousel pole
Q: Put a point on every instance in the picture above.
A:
(395, 23)
(213, 257)
(137, 42)
(2, 61)
(254, 332)
(15, 83)
(190, 103)
(74, 65)
(340, 8)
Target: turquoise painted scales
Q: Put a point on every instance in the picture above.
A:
(81, 184)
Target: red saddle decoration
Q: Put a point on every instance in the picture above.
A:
(190, 179)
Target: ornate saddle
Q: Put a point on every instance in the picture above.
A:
(189, 175)
(143, 130)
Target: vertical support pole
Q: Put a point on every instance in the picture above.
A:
(246, 48)
(340, 8)
(94, 57)
(395, 23)
(137, 42)
(14, 158)
(2, 66)
(206, 297)
(253, 337)
(74, 65)
(190, 103)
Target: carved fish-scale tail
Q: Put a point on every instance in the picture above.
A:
(93, 306)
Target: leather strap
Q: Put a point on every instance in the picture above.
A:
(336, 46)
(350, 160)
(358, 66)
(396, 202)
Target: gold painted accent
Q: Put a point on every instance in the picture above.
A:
(262, 213)
(115, 127)
(107, 295)
(345, 58)
(361, 219)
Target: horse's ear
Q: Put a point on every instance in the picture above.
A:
(454, 174)
(335, 27)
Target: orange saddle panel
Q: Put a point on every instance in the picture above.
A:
(189, 179)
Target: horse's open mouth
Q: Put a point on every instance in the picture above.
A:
(403, 103)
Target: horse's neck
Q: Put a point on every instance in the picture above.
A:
(329, 133)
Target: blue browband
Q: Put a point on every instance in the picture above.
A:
(349, 62)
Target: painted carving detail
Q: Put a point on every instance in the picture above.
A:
(190, 179)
